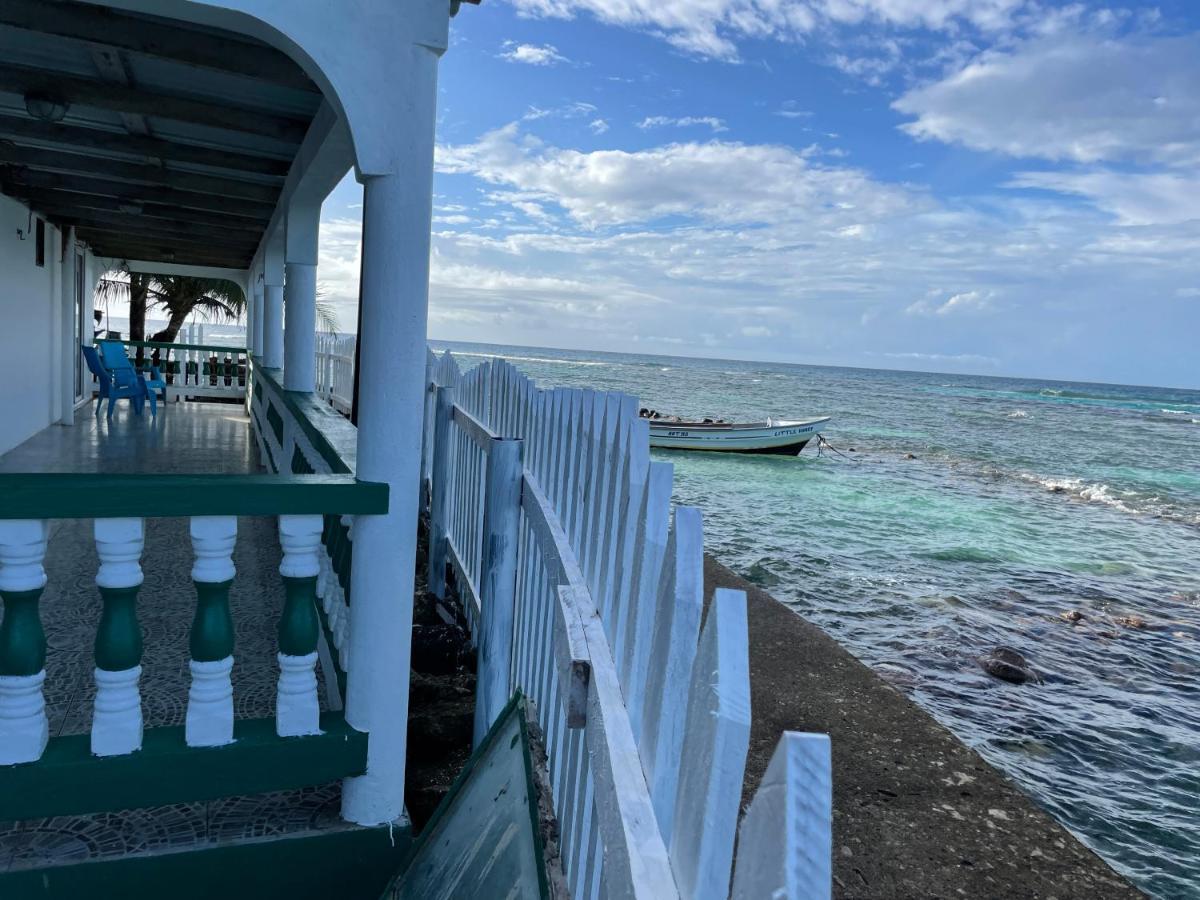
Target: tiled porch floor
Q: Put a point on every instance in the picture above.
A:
(185, 438)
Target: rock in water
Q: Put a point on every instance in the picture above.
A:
(1008, 665)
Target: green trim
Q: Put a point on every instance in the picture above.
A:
(514, 707)
(68, 780)
(330, 433)
(118, 636)
(212, 627)
(22, 640)
(298, 623)
(75, 495)
(160, 345)
(276, 422)
(354, 863)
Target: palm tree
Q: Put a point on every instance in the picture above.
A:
(182, 295)
(179, 296)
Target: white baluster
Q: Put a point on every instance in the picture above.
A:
(117, 717)
(210, 698)
(297, 710)
(24, 730)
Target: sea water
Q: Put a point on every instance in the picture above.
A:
(972, 513)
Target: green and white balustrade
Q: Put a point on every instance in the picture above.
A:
(24, 730)
(117, 720)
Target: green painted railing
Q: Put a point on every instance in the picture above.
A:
(89, 496)
(194, 370)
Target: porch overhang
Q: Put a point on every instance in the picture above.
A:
(159, 141)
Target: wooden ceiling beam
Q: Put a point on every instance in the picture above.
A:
(105, 27)
(147, 230)
(159, 252)
(182, 221)
(79, 138)
(100, 167)
(13, 180)
(65, 203)
(125, 99)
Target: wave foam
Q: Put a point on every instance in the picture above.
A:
(1018, 414)
(1125, 501)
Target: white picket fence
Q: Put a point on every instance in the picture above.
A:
(586, 594)
(334, 370)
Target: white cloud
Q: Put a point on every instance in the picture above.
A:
(757, 331)
(712, 122)
(718, 181)
(1134, 198)
(598, 126)
(713, 28)
(1084, 99)
(963, 302)
(532, 54)
(790, 109)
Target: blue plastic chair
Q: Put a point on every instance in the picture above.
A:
(124, 380)
(103, 379)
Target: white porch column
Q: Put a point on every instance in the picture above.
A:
(300, 298)
(256, 326)
(272, 355)
(397, 211)
(70, 352)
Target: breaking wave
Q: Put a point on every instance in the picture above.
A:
(1125, 501)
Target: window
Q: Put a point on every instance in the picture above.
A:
(41, 243)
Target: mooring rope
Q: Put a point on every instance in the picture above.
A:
(822, 444)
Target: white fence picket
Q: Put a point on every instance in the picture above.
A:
(785, 845)
(716, 739)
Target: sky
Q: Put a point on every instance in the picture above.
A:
(999, 187)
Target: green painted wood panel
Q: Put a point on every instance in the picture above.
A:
(85, 495)
(348, 865)
(483, 841)
(68, 780)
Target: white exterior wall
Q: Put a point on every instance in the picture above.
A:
(30, 310)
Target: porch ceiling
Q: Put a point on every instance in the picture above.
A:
(176, 138)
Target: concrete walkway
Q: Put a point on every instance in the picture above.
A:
(916, 813)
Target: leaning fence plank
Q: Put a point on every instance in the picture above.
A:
(676, 628)
(716, 738)
(652, 552)
(497, 580)
(785, 844)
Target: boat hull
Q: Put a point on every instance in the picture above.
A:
(778, 438)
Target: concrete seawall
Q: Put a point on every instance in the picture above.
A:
(916, 813)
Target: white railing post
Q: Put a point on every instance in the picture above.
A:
(209, 720)
(24, 729)
(439, 506)
(497, 579)
(297, 709)
(785, 848)
(117, 716)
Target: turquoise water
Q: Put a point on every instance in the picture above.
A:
(1022, 500)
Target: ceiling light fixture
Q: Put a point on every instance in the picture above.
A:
(46, 108)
